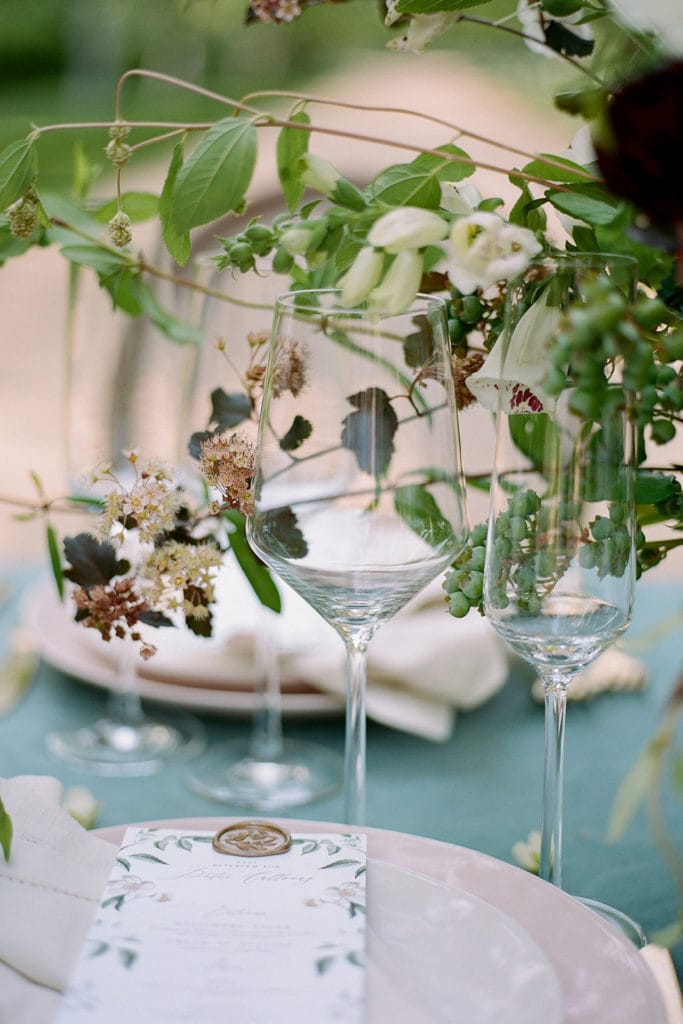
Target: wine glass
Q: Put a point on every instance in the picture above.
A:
(359, 495)
(560, 564)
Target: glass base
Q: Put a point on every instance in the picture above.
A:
(141, 747)
(298, 774)
(629, 928)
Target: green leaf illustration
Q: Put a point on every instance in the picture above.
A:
(300, 430)
(292, 143)
(214, 179)
(18, 167)
(344, 863)
(149, 857)
(369, 432)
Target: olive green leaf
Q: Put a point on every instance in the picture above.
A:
(55, 559)
(432, 6)
(284, 536)
(417, 507)
(177, 242)
(214, 179)
(591, 203)
(5, 831)
(139, 206)
(369, 431)
(257, 574)
(18, 167)
(292, 143)
(419, 182)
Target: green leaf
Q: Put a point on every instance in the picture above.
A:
(55, 559)
(652, 488)
(300, 430)
(97, 257)
(418, 183)
(630, 795)
(432, 6)
(18, 167)
(417, 507)
(587, 103)
(139, 206)
(546, 166)
(149, 857)
(535, 435)
(214, 179)
(284, 536)
(292, 144)
(92, 562)
(229, 409)
(257, 574)
(175, 329)
(5, 831)
(177, 242)
(590, 202)
(369, 432)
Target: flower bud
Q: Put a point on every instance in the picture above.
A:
(362, 276)
(119, 229)
(318, 174)
(400, 284)
(407, 227)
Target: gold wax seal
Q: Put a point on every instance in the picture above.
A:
(252, 839)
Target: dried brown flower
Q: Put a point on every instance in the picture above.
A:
(462, 369)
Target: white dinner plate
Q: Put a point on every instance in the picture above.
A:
(522, 923)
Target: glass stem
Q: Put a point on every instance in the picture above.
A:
(555, 690)
(124, 705)
(354, 750)
(266, 741)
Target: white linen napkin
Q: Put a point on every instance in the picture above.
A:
(49, 891)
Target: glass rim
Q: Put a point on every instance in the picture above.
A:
(583, 257)
(290, 301)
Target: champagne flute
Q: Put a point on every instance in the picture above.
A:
(359, 494)
(560, 563)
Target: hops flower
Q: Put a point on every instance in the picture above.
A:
(120, 230)
(485, 249)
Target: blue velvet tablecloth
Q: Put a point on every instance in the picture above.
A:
(481, 789)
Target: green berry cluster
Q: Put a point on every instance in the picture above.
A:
(646, 337)
(241, 251)
(468, 313)
(464, 583)
(608, 549)
(521, 563)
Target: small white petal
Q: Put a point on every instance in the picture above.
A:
(407, 227)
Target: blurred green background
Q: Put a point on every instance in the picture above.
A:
(60, 59)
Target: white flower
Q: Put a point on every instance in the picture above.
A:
(663, 17)
(296, 240)
(318, 174)
(528, 854)
(81, 804)
(460, 199)
(512, 376)
(484, 249)
(421, 30)
(534, 20)
(400, 284)
(362, 276)
(407, 227)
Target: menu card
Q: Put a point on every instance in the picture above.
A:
(187, 933)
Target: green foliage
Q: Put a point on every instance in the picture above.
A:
(257, 574)
(418, 183)
(5, 831)
(214, 179)
(18, 168)
(369, 431)
(292, 143)
(300, 430)
(416, 505)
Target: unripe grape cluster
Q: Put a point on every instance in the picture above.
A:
(609, 548)
(464, 583)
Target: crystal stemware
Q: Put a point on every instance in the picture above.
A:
(359, 496)
(560, 564)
